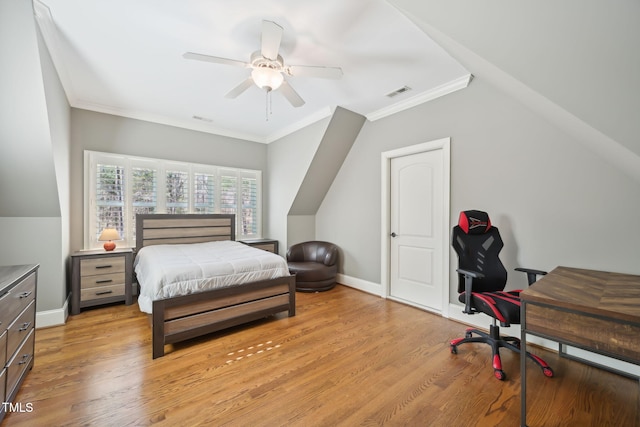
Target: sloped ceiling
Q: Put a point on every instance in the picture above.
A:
(27, 175)
(576, 62)
(124, 57)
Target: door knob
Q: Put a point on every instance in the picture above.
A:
(393, 234)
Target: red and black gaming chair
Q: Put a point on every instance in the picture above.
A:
(482, 279)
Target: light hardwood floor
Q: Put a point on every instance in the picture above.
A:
(346, 359)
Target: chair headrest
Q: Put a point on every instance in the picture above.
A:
(474, 222)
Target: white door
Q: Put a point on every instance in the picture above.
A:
(417, 197)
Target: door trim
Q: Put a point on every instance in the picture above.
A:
(439, 144)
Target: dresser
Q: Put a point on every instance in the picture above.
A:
(100, 277)
(18, 285)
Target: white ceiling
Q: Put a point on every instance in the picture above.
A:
(124, 57)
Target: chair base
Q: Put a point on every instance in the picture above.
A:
(496, 342)
(314, 287)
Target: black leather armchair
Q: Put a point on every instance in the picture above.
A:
(315, 265)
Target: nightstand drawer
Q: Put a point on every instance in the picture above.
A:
(106, 265)
(102, 280)
(20, 328)
(19, 363)
(270, 247)
(264, 244)
(102, 292)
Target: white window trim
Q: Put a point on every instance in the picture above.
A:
(92, 158)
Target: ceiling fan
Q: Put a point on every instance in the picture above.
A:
(268, 68)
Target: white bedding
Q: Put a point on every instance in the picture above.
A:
(165, 271)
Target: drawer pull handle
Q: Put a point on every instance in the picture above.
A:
(25, 359)
(24, 327)
(104, 292)
(24, 294)
(104, 281)
(103, 266)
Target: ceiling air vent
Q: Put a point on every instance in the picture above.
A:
(396, 92)
(204, 119)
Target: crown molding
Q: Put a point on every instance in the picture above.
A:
(421, 98)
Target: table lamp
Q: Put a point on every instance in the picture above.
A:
(109, 235)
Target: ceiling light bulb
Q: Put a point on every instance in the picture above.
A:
(267, 78)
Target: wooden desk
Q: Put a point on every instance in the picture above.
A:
(593, 310)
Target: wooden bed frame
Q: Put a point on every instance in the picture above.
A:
(184, 317)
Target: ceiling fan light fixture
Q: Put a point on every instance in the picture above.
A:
(267, 78)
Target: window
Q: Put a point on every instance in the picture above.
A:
(119, 187)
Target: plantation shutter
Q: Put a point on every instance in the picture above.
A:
(119, 187)
(249, 225)
(204, 192)
(228, 193)
(177, 191)
(144, 194)
(109, 198)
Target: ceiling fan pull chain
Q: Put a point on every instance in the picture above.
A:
(270, 102)
(268, 109)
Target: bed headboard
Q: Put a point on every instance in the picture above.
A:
(163, 229)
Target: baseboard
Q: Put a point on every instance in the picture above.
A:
(361, 285)
(49, 318)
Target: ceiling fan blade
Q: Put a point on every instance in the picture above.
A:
(313, 71)
(291, 95)
(214, 59)
(271, 38)
(236, 91)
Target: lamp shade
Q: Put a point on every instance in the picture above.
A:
(108, 235)
(267, 78)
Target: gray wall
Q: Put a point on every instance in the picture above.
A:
(289, 159)
(114, 134)
(33, 156)
(544, 138)
(554, 202)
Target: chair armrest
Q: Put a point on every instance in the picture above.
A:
(532, 275)
(469, 275)
(331, 257)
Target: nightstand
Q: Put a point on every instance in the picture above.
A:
(100, 277)
(265, 244)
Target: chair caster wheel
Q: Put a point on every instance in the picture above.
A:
(454, 349)
(499, 374)
(548, 372)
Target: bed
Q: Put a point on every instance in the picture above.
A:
(186, 312)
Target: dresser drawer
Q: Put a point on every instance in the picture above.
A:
(3, 350)
(19, 363)
(13, 302)
(3, 383)
(102, 280)
(102, 292)
(106, 265)
(20, 328)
